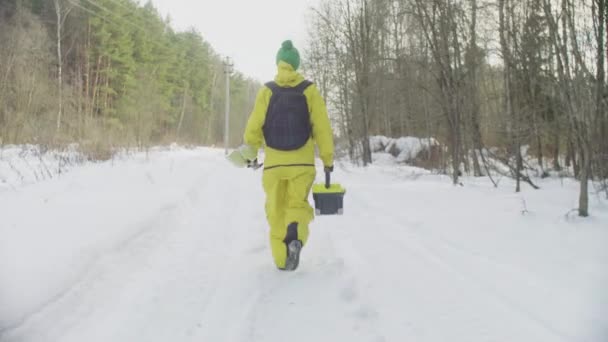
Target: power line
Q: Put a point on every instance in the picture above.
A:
(90, 11)
(131, 13)
(117, 2)
(116, 15)
(120, 4)
(109, 17)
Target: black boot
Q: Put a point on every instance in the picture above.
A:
(294, 246)
(293, 255)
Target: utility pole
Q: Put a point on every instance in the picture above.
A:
(227, 70)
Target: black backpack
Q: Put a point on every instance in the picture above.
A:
(287, 126)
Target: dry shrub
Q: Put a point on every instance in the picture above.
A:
(96, 151)
(431, 158)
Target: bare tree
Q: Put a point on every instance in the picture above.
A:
(61, 15)
(516, 75)
(438, 21)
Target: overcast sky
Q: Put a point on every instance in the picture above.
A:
(249, 31)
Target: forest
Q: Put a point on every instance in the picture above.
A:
(110, 73)
(496, 81)
(501, 84)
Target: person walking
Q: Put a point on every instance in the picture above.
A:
(289, 117)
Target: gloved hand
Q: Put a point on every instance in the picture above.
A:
(249, 153)
(243, 156)
(254, 164)
(329, 169)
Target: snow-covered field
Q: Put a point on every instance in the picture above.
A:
(172, 246)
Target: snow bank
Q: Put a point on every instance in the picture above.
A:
(409, 148)
(404, 149)
(52, 229)
(28, 164)
(379, 143)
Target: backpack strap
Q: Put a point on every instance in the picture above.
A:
(300, 88)
(273, 86)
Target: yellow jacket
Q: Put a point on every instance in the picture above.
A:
(321, 128)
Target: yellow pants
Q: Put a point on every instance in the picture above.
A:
(287, 208)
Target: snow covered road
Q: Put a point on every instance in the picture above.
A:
(173, 247)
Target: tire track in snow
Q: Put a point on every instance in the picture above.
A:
(225, 316)
(321, 296)
(323, 303)
(441, 249)
(401, 236)
(81, 277)
(144, 225)
(117, 272)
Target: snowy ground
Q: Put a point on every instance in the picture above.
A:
(173, 247)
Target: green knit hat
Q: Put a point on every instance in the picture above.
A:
(289, 54)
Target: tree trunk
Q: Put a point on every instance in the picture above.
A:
(183, 111)
(472, 65)
(59, 65)
(600, 136)
(583, 201)
(539, 143)
(556, 142)
(95, 88)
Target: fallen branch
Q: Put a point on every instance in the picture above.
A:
(485, 165)
(514, 171)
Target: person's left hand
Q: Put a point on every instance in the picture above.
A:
(254, 164)
(244, 156)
